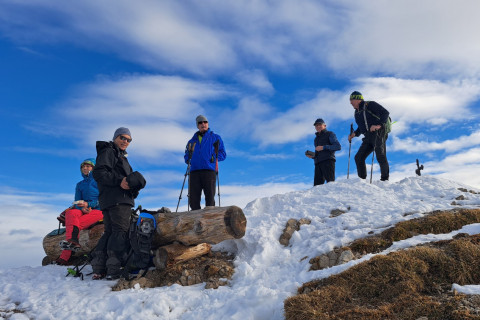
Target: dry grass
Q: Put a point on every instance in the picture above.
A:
(407, 284)
(436, 222)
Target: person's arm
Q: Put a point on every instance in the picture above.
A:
(93, 203)
(222, 154)
(78, 196)
(189, 148)
(334, 144)
(104, 172)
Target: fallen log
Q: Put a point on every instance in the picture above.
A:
(172, 254)
(88, 240)
(210, 225)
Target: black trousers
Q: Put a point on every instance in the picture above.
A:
(373, 141)
(202, 180)
(111, 250)
(324, 171)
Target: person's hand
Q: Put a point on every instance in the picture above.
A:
(375, 128)
(350, 137)
(86, 210)
(83, 204)
(124, 184)
(318, 148)
(308, 156)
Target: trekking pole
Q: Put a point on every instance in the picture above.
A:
(373, 156)
(187, 173)
(216, 169)
(349, 150)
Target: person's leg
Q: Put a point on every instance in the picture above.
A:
(328, 170)
(100, 252)
(117, 242)
(319, 177)
(195, 190)
(72, 223)
(381, 153)
(209, 179)
(363, 152)
(87, 220)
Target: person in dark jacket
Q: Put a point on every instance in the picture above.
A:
(84, 213)
(371, 118)
(206, 149)
(118, 186)
(326, 143)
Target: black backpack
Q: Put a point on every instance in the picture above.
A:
(141, 232)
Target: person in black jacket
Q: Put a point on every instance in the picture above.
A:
(118, 187)
(370, 118)
(326, 143)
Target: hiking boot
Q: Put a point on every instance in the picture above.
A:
(61, 262)
(98, 276)
(112, 276)
(70, 244)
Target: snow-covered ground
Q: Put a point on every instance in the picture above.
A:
(266, 272)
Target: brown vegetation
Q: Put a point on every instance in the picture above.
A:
(436, 222)
(211, 269)
(407, 284)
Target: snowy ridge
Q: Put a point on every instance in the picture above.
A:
(266, 272)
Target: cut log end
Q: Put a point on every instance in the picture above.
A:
(236, 221)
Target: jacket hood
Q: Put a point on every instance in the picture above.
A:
(102, 145)
(90, 161)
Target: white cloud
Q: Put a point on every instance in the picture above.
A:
(428, 102)
(26, 219)
(461, 167)
(402, 38)
(160, 112)
(412, 145)
(256, 79)
(408, 38)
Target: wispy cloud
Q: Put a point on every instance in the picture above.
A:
(215, 37)
(256, 79)
(413, 145)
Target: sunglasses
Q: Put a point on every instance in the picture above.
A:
(200, 122)
(125, 139)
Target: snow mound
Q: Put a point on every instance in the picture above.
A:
(266, 272)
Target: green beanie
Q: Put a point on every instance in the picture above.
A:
(356, 96)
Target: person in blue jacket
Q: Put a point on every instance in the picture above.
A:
(84, 212)
(205, 149)
(326, 143)
(371, 118)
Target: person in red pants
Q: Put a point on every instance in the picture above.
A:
(83, 213)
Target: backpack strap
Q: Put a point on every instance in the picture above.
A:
(365, 116)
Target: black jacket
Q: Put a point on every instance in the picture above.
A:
(112, 166)
(375, 115)
(330, 144)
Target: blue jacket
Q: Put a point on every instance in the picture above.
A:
(203, 157)
(87, 190)
(373, 108)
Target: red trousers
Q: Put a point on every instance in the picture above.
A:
(76, 219)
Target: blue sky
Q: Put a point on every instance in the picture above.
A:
(261, 71)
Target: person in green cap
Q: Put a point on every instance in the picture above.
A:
(371, 118)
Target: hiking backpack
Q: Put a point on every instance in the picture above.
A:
(142, 230)
(388, 124)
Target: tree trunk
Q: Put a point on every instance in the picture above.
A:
(210, 225)
(169, 255)
(88, 240)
